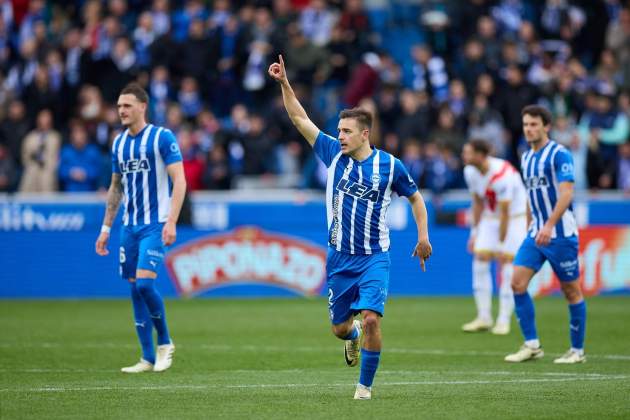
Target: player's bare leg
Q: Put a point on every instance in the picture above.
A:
(350, 331)
(577, 323)
(370, 354)
(525, 313)
(482, 292)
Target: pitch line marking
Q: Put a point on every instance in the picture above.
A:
(309, 385)
(250, 347)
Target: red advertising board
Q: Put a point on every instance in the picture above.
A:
(247, 255)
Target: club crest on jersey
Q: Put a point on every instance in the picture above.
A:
(357, 190)
(134, 165)
(376, 179)
(535, 182)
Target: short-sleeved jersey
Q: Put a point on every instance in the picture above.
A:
(358, 195)
(141, 160)
(543, 171)
(500, 183)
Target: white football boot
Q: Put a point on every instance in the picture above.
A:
(500, 329)
(477, 325)
(164, 357)
(525, 353)
(352, 348)
(363, 392)
(570, 357)
(140, 367)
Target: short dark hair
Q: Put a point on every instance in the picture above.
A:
(480, 146)
(363, 117)
(136, 90)
(537, 111)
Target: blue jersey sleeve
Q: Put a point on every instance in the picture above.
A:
(402, 182)
(563, 166)
(326, 147)
(169, 149)
(115, 167)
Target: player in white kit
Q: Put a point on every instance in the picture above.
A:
(499, 225)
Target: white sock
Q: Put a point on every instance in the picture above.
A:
(482, 289)
(506, 296)
(578, 351)
(532, 344)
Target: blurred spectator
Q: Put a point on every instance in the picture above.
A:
(189, 98)
(306, 63)
(193, 161)
(486, 123)
(515, 95)
(160, 17)
(471, 64)
(40, 156)
(623, 179)
(415, 119)
(317, 21)
(143, 37)
(427, 72)
(618, 40)
(412, 159)
(217, 174)
(13, 128)
(363, 80)
(603, 128)
(80, 162)
(446, 134)
(442, 168)
(181, 19)
(8, 170)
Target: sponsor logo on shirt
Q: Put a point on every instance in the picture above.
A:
(536, 182)
(134, 165)
(358, 190)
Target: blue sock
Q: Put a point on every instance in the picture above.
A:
(154, 302)
(354, 333)
(577, 324)
(369, 364)
(144, 326)
(524, 307)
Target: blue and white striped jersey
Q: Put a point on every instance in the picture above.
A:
(142, 160)
(358, 195)
(543, 171)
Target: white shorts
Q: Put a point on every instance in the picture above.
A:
(487, 239)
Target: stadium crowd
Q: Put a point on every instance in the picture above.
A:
(435, 73)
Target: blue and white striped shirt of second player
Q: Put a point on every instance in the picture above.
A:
(358, 195)
(543, 171)
(142, 160)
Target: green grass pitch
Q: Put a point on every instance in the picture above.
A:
(276, 358)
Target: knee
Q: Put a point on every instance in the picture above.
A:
(519, 284)
(572, 292)
(371, 324)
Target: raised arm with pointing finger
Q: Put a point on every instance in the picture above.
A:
(295, 110)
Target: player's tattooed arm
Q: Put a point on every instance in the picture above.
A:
(114, 196)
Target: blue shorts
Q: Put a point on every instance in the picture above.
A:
(355, 283)
(562, 254)
(141, 248)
